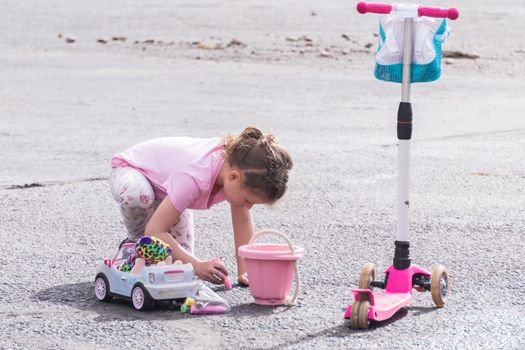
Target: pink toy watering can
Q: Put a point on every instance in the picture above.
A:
(271, 268)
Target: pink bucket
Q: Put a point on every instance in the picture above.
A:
(271, 269)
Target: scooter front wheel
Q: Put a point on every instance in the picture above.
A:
(354, 314)
(359, 314)
(439, 285)
(363, 314)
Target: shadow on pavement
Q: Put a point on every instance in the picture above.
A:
(81, 296)
(421, 310)
(338, 331)
(341, 331)
(253, 309)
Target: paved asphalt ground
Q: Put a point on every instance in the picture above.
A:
(65, 108)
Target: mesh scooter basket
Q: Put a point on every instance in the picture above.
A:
(428, 36)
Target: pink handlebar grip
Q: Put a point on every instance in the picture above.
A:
(363, 7)
(450, 13)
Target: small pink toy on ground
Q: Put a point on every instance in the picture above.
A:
(226, 279)
(207, 308)
(402, 276)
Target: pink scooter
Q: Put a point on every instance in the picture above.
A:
(402, 276)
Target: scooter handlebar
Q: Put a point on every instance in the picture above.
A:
(450, 13)
(363, 7)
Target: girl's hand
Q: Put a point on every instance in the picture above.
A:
(243, 279)
(213, 272)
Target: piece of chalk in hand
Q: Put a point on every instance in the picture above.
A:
(226, 279)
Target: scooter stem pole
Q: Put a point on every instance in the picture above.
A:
(407, 59)
(404, 135)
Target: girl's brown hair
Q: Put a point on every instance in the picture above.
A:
(265, 164)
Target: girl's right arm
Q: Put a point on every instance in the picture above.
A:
(164, 218)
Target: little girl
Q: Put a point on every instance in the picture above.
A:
(158, 182)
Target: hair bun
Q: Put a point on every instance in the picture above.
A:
(252, 133)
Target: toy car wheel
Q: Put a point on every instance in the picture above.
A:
(439, 285)
(102, 289)
(363, 314)
(368, 275)
(140, 298)
(354, 314)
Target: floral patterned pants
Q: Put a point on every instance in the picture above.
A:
(137, 202)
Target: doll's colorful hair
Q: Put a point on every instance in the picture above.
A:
(150, 248)
(264, 163)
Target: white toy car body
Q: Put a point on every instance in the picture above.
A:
(153, 283)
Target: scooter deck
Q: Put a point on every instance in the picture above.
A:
(383, 305)
(387, 304)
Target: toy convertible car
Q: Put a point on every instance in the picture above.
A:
(174, 282)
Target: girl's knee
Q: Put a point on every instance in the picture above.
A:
(130, 187)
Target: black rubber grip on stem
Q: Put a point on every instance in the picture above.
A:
(404, 121)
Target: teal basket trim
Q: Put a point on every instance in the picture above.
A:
(421, 73)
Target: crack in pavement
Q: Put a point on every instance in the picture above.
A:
(50, 183)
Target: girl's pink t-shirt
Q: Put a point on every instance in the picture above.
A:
(183, 168)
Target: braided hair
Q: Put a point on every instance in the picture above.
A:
(264, 163)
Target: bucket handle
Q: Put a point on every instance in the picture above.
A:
(292, 298)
